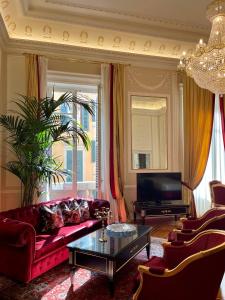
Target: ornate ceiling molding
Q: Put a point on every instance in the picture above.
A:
(78, 54)
(117, 14)
(114, 21)
(25, 28)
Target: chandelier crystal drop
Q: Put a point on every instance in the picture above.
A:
(207, 64)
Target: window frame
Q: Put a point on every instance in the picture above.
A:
(81, 83)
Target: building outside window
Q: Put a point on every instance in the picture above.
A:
(80, 163)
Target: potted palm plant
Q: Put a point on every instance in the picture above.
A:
(32, 131)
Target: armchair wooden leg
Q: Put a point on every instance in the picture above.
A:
(148, 250)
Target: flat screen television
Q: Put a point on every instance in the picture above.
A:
(159, 187)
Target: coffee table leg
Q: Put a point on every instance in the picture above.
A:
(110, 274)
(72, 272)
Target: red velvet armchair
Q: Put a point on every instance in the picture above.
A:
(211, 184)
(212, 219)
(218, 193)
(188, 270)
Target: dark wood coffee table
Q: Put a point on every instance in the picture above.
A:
(108, 257)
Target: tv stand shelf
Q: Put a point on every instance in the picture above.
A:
(175, 208)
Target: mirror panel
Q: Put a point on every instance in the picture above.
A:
(149, 132)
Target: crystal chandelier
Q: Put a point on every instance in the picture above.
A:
(207, 64)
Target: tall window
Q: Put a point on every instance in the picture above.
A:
(80, 163)
(215, 165)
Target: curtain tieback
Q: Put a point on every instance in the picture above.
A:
(187, 185)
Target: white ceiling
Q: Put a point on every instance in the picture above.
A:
(147, 27)
(191, 12)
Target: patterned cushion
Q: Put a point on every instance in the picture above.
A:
(84, 210)
(50, 218)
(70, 212)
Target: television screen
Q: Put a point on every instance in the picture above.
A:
(159, 187)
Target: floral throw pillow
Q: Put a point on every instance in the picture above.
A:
(51, 218)
(84, 210)
(70, 212)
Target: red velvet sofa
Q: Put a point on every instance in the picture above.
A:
(25, 253)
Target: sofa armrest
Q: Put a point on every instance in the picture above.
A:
(16, 233)
(17, 248)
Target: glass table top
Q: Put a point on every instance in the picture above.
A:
(113, 245)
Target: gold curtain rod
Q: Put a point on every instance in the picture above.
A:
(70, 59)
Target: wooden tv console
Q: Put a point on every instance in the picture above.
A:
(173, 208)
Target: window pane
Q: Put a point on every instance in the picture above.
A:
(85, 119)
(80, 163)
(63, 154)
(93, 151)
(86, 187)
(66, 108)
(69, 164)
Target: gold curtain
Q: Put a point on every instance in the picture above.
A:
(36, 77)
(118, 138)
(198, 122)
(32, 73)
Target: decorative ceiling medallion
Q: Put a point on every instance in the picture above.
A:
(22, 27)
(66, 36)
(4, 4)
(28, 30)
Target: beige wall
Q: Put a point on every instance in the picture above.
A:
(74, 67)
(152, 82)
(13, 83)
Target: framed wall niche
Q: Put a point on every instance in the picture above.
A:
(148, 132)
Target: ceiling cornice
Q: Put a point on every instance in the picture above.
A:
(115, 20)
(65, 52)
(23, 27)
(78, 54)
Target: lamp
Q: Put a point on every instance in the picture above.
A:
(207, 64)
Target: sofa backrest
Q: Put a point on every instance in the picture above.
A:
(30, 214)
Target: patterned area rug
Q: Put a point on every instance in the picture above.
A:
(56, 283)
